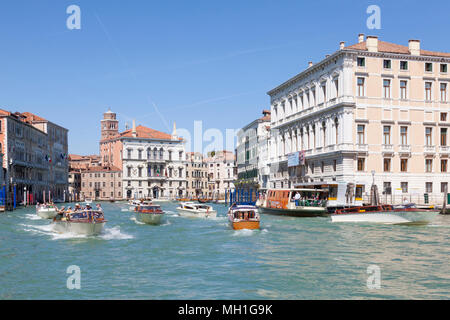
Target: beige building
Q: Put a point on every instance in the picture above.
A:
(221, 173)
(196, 175)
(101, 183)
(372, 107)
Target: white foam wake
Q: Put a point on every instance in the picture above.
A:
(115, 234)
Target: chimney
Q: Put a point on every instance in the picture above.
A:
(174, 131)
(134, 133)
(341, 45)
(360, 37)
(310, 64)
(414, 47)
(372, 43)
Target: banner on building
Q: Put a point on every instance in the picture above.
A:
(296, 159)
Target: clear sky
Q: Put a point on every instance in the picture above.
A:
(160, 61)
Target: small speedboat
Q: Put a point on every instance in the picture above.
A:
(149, 214)
(243, 217)
(135, 203)
(388, 214)
(88, 201)
(46, 211)
(193, 209)
(85, 222)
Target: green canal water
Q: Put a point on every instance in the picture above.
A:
(188, 258)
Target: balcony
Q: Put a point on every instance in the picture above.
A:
(404, 149)
(444, 150)
(362, 149)
(429, 149)
(387, 149)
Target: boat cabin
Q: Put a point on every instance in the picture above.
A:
(298, 197)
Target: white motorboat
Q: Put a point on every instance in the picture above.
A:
(407, 214)
(135, 203)
(86, 222)
(193, 209)
(149, 214)
(88, 201)
(46, 211)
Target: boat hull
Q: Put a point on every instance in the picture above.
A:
(240, 225)
(83, 228)
(149, 218)
(47, 213)
(197, 214)
(396, 217)
(299, 212)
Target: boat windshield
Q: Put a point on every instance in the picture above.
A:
(244, 214)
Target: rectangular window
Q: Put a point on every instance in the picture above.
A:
(428, 67)
(443, 67)
(444, 163)
(404, 186)
(387, 64)
(403, 90)
(443, 116)
(444, 187)
(428, 165)
(404, 165)
(361, 162)
(429, 187)
(429, 136)
(403, 65)
(387, 135)
(443, 92)
(428, 86)
(386, 88)
(361, 134)
(387, 165)
(404, 135)
(387, 189)
(361, 87)
(443, 137)
(361, 62)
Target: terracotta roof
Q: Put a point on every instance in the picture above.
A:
(146, 133)
(395, 48)
(32, 117)
(75, 157)
(102, 169)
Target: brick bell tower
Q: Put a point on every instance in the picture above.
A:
(109, 125)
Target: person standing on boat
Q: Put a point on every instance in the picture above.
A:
(297, 198)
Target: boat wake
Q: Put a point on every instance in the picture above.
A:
(243, 233)
(30, 216)
(114, 234)
(136, 221)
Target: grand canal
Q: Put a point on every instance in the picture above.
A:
(186, 258)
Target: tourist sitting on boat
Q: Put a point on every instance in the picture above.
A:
(77, 207)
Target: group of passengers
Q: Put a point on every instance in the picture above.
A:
(244, 215)
(305, 201)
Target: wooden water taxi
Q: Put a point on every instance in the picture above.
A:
(149, 214)
(243, 217)
(299, 202)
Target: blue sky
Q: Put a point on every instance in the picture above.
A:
(160, 61)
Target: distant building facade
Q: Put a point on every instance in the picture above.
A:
(101, 183)
(153, 163)
(252, 153)
(196, 175)
(221, 173)
(35, 157)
